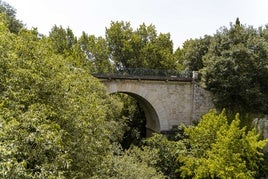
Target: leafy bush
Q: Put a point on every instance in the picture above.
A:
(221, 150)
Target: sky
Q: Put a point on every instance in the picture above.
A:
(183, 19)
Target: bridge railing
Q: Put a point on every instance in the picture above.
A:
(146, 73)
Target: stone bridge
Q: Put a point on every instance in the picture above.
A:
(166, 101)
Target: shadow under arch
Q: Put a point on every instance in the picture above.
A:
(152, 120)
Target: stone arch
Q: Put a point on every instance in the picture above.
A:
(152, 119)
(167, 103)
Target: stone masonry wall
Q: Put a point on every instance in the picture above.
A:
(202, 101)
(262, 127)
(166, 103)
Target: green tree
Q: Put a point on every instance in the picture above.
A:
(141, 48)
(52, 125)
(236, 70)
(193, 51)
(118, 38)
(159, 53)
(264, 32)
(95, 52)
(65, 43)
(136, 162)
(57, 121)
(62, 39)
(135, 121)
(179, 60)
(13, 24)
(217, 149)
(167, 154)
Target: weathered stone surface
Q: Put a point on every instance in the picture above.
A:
(262, 127)
(202, 101)
(166, 103)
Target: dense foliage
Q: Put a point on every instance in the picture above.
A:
(53, 125)
(9, 13)
(58, 121)
(236, 69)
(216, 149)
(134, 128)
(192, 53)
(141, 48)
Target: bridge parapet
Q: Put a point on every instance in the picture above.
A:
(147, 74)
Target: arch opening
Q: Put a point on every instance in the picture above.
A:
(152, 121)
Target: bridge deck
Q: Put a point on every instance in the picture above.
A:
(153, 78)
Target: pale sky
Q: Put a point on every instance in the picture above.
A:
(183, 19)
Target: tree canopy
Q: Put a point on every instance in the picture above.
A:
(233, 64)
(141, 48)
(216, 149)
(58, 121)
(236, 69)
(13, 24)
(53, 125)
